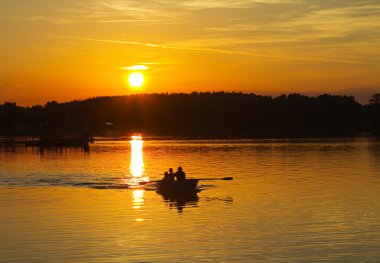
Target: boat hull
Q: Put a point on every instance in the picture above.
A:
(189, 186)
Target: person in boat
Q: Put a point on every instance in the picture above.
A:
(169, 176)
(180, 175)
(171, 173)
(166, 176)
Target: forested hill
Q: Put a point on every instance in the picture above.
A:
(217, 113)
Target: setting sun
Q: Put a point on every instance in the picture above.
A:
(136, 79)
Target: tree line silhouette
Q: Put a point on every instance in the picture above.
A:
(205, 114)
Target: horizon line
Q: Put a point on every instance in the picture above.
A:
(271, 95)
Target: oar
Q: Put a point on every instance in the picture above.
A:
(148, 182)
(223, 178)
(200, 179)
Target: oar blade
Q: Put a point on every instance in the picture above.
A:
(227, 178)
(213, 179)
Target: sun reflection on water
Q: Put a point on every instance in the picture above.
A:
(136, 169)
(138, 198)
(138, 202)
(136, 166)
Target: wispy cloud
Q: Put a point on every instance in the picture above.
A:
(136, 67)
(128, 11)
(227, 4)
(333, 32)
(270, 55)
(180, 48)
(39, 19)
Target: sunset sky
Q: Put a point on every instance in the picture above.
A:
(74, 49)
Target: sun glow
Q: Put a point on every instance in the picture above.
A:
(136, 79)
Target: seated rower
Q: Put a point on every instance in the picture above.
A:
(180, 175)
(171, 173)
(168, 176)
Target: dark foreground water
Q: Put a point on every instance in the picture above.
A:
(290, 201)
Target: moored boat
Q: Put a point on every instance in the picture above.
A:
(174, 187)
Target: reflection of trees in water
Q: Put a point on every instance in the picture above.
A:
(63, 150)
(42, 150)
(180, 201)
(374, 148)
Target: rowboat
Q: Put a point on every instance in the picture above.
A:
(189, 186)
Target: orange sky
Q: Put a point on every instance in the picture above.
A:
(75, 49)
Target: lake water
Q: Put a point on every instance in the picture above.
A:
(315, 200)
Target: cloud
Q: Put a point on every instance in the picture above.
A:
(127, 11)
(303, 30)
(227, 4)
(269, 55)
(39, 19)
(136, 67)
(179, 48)
(334, 32)
(146, 11)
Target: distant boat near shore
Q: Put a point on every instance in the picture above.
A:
(50, 134)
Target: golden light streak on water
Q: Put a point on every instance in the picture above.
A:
(138, 201)
(138, 198)
(136, 166)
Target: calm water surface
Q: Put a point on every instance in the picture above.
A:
(290, 201)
